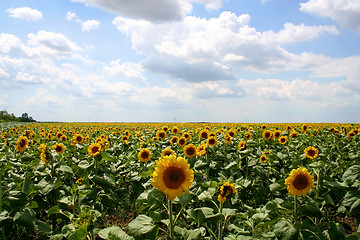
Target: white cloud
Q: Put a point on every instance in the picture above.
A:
(89, 25)
(25, 13)
(155, 10)
(198, 49)
(52, 44)
(71, 15)
(346, 12)
(127, 69)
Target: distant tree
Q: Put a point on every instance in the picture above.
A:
(7, 117)
(26, 118)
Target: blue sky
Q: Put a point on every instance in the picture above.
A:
(181, 60)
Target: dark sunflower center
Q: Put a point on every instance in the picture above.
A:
(267, 135)
(144, 155)
(277, 134)
(190, 151)
(78, 139)
(300, 182)
(22, 143)
(58, 149)
(311, 153)
(204, 135)
(181, 141)
(282, 139)
(161, 135)
(167, 153)
(226, 191)
(95, 149)
(211, 141)
(173, 177)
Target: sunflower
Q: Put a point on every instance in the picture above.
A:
(190, 151)
(182, 141)
(172, 176)
(42, 147)
(304, 128)
(59, 148)
(201, 150)
(161, 134)
(242, 145)
(283, 139)
(144, 155)
(263, 158)
(267, 134)
(78, 138)
(232, 132)
(247, 135)
(277, 134)
(211, 141)
(226, 190)
(204, 134)
(294, 134)
(22, 143)
(94, 149)
(187, 136)
(311, 152)
(173, 140)
(80, 180)
(299, 182)
(175, 130)
(167, 152)
(227, 138)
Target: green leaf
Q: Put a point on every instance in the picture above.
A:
(193, 234)
(45, 186)
(79, 234)
(310, 209)
(355, 207)
(26, 218)
(54, 210)
(65, 169)
(143, 227)
(114, 233)
(207, 194)
(42, 226)
(336, 231)
(351, 174)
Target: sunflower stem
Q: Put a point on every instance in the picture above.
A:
(220, 232)
(295, 209)
(171, 223)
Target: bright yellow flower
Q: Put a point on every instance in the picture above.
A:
(172, 176)
(299, 182)
(144, 155)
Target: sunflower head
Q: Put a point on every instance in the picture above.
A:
(172, 176)
(161, 134)
(263, 158)
(204, 134)
(59, 148)
(225, 191)
(182, 141)
(201, 150)
(144, 155)
(311, 152)
(247, 135)
(211, 141)
(78, 138)
(227, 138)
(167, 152)
(283, 139)
(190, 150)
(175, 130)
(277, 134)
(299, 182)
(94, 149)
(173, 140)
(22, 143)
(267, 134)
(242, 145)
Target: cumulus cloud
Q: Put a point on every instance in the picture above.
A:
(156, 10)
(128, 69)
(89, 25)
(345, 12)
(198, 49)
(25, 13)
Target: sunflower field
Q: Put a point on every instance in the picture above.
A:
(179, 181)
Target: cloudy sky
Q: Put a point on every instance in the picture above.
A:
(181, 60)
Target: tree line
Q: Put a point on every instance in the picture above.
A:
(10, 117)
